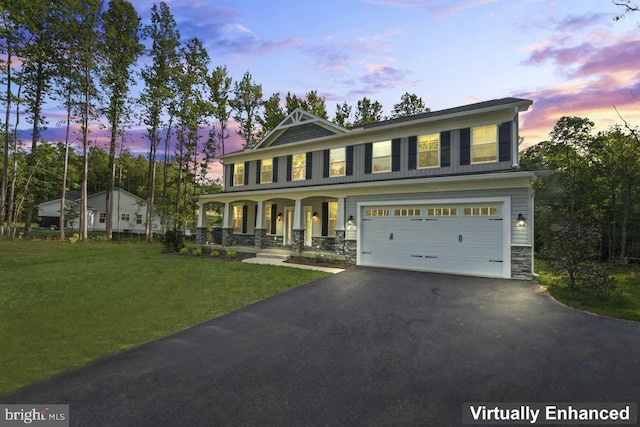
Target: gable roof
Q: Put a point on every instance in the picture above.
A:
(298, 126)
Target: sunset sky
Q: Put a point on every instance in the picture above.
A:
(569, 57)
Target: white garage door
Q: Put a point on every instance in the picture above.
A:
(457, 238)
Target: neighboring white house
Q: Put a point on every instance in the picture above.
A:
(129, 213)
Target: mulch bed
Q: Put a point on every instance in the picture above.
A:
(223, 256)
(313, 261)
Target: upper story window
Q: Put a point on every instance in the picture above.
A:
(298, 170)
(381, 160)
(429, 150)
(266, 171)
(238, 174)
(337, 162)
(138, 219)
(102, 218)
(484, 145)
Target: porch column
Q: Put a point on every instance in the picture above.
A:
(201, 228)
(339, 242)
(260, 232)
(297, 230)
(227, 225)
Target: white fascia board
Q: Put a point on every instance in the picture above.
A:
(429, 184)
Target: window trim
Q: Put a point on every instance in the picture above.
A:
(374, 157)
(125, 217)
(301, 169)
(343, 161)
(438, 151)
(262, 171)
(494, 143)
(238, 182)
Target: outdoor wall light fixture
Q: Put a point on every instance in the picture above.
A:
(279, 216)
(521, 220)
(315, 216)
(350, 220)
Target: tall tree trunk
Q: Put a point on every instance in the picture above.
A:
(112, 170)
(151, 182)
(84, 213)
(625, 222)
(165, 180)
(63, 197)
(5, 152)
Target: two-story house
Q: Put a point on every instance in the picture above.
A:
(439, 191)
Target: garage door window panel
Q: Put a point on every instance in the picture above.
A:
(481, 211)
(442, 212)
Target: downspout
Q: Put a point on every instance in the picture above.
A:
(534, 182)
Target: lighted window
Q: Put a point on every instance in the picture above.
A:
(298, 170)
(333, 218)
(480, 211)
(237, 219)
(381, 161)
(484, 146)
(103, 218)
(267, 218)
(377, 212)
(429, 150)
(408, 212)
(238, 174)
(337, 162)
(442, 212)
(266, 171)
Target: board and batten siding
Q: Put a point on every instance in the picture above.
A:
(359, 175)
(519, 204)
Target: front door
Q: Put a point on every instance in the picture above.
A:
(308, 229)
(288, 225)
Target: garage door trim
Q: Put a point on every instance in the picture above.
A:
(506, 223)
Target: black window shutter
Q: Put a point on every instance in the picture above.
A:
(246, 173)
(325, 164)
(368, 157)
(244, 218)
(274, 217)
(504, 142)
(308, 164)
(465, 146)
(413, 153)
(325, 218)
(349, 165)
(445, 149)
(289, 162)
(230, 170)
(395, 155)
(255, 217)
(275, 169)
(258, 171)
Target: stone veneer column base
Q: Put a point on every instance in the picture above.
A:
(227, 236)
(297, 240)
(201, 235)
(260, 238)
(521, 260)
(350, 251)
(339, 242)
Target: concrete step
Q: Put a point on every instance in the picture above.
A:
(272, 255)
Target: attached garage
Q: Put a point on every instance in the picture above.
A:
(470, 238)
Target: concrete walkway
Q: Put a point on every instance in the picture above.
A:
(281, 262)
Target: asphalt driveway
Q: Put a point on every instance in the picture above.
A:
(364, 347)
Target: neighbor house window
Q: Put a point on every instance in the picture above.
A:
(381, 161)
(103, 218)
(337, 162)
(333, 218)
(124, 217)
(138, 219)
(266, 171)
(484, 145)
(298, 170)
(238, 174)
(429, 150)
(237, 219)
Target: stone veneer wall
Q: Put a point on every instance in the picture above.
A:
(227, 237)
(244, 239)
(297, 240)
(325, 243)
(273, 241)
(350, 248)
(521, 267)
(339, 242)
(202, 236)
(261, 238)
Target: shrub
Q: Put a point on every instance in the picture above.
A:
(74, 238)
(184, 251)
(196, 252)
(232, 253)
(319, 254)
(173, 240)
(215, 253)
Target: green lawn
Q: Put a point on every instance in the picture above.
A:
(62, 304)
(622, 305)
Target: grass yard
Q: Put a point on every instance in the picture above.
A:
(622, 305)
(62, 304)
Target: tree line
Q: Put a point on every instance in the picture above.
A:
(83, 55)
